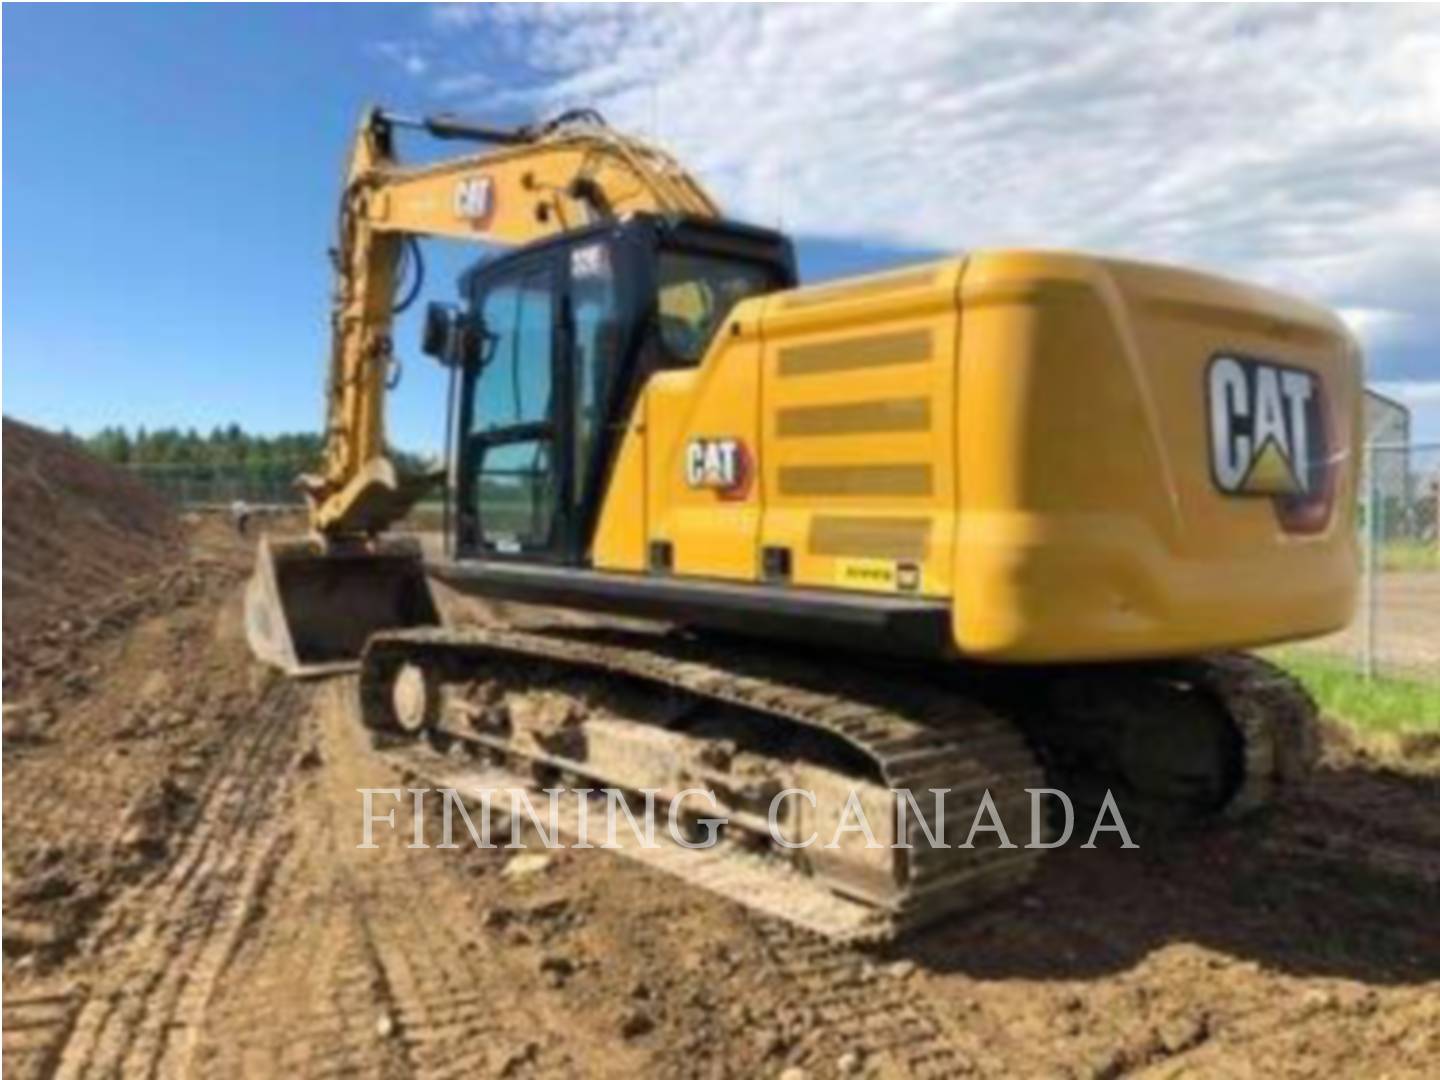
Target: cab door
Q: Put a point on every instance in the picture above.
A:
(537, 417)
(514, 483)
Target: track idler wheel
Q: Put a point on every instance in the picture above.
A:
(399, 695)
(414, 698)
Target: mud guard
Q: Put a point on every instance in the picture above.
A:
(309, 611)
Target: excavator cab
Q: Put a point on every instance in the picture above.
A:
(551, 350)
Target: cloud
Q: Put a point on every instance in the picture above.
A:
(408, 56)
(1295, 145)
(1290, 139)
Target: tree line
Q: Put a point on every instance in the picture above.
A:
(229, 447)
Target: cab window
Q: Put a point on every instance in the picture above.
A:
(696, 293)
(514, 385)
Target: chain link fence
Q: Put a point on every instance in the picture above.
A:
(1396, 629)
(1399, 616)
(267, 487)
(264, 485)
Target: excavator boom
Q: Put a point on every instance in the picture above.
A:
(532, 184)
(312, 603)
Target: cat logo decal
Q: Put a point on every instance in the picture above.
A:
(722, 465)
(1269, 436)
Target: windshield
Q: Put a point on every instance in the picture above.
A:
(697, 293)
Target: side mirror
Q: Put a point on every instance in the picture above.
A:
(439, 330)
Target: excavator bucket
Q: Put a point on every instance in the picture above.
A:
(309, 611)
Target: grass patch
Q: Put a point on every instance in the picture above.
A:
(1380, 705)
(1409, 555)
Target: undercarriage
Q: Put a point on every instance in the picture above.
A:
(804, 783)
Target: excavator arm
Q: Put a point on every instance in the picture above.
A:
(312, 603)
(530, 183)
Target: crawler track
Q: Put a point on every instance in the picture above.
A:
(1276, 719)
(903, 735)
(1178, 743)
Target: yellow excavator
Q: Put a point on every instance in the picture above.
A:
(990, 523)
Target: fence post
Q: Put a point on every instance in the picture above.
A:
(1372, 526)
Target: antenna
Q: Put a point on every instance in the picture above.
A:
(779, 191)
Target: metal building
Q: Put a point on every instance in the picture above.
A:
(1387, 428)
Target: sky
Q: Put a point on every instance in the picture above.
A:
(170, 173)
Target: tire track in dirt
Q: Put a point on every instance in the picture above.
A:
(179, 933)
(869, 1013)
(36, 1027)
(123, 730)
(360, 982)
(393, 973)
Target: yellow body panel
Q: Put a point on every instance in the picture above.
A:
(1029, 435)
(858, 446)
(620, 535)
(1091, 526)
(710, 535)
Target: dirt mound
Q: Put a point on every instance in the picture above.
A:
(76, 529)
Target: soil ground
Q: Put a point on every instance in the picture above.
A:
(184, 896)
